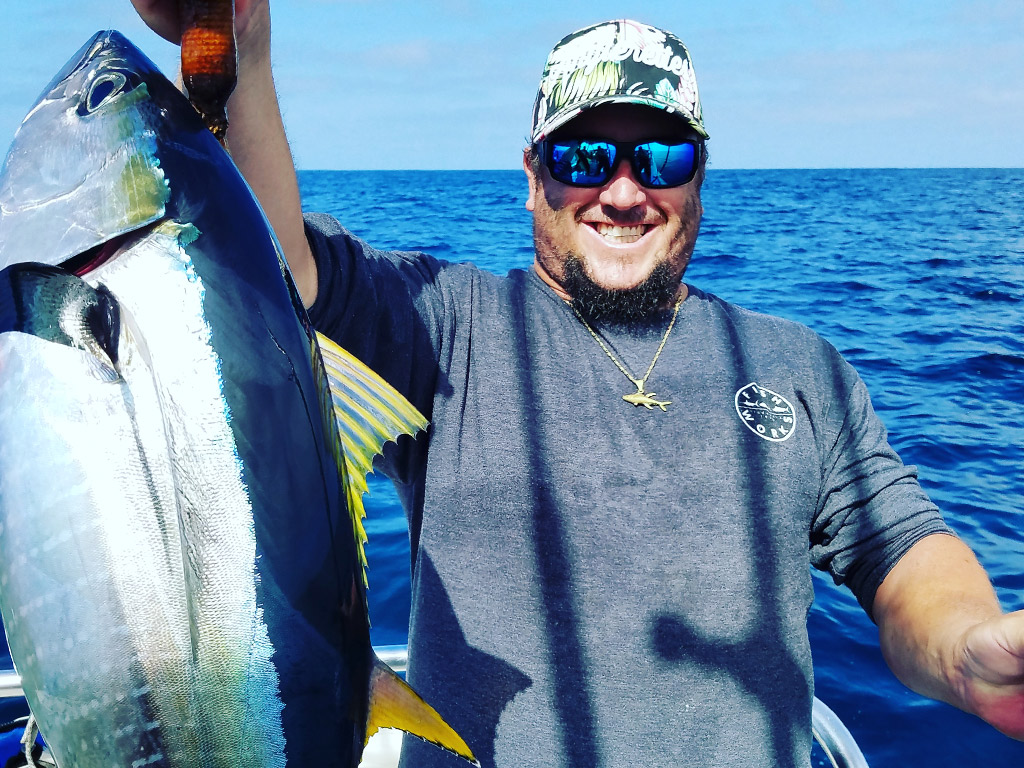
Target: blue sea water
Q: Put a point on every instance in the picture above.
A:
(917, 276)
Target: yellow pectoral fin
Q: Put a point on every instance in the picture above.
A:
(367, 413)
(393, 704)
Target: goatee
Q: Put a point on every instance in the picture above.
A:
(622, 306)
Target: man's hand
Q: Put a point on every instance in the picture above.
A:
(944, 635)
(161, 16)
(992, 671)
(252, 23)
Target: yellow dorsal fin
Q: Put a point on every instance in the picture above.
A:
(393, 704)
(369, 412)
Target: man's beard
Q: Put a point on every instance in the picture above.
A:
(623, 306)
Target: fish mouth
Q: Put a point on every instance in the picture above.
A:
(95, 257)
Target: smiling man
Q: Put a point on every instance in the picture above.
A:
(615, 167)
(616, 237)
(626, 477)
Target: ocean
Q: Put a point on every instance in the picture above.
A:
(917, 276)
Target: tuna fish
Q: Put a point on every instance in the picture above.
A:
(181, 567)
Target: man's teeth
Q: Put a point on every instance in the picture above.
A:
(620, 234)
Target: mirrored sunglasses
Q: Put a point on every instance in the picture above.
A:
(592, 162)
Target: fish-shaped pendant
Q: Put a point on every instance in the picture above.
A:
(646, 399)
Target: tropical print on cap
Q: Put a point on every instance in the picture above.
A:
(617, 61)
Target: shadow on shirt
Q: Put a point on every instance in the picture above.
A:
(480, 711)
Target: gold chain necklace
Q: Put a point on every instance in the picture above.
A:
(646, 399)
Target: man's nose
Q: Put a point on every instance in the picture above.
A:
(622, 190)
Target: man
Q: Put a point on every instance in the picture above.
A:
(626, 477)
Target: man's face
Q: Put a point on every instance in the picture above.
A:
(620, 233)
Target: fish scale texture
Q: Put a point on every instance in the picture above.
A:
(172, 592)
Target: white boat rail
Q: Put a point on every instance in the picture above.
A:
(828, 730)
(834, 738)
(10, 685)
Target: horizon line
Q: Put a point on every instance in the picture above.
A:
(710, 169)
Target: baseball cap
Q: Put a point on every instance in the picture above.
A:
(620, 61)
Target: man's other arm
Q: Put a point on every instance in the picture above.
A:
(945, 636)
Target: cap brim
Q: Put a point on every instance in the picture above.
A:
(559, 119)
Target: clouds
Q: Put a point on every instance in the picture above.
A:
(865, 84)
(403, 84)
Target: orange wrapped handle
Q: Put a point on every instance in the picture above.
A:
(208, 59)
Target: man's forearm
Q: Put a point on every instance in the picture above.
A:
(945, 636)
(259, 147)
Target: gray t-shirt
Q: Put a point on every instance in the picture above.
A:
(598, 584)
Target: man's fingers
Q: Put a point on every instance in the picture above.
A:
(161, 16)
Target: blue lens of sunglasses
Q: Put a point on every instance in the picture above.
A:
(591, 162)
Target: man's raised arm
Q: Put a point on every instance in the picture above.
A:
(256, 137)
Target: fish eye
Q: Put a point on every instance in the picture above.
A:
(103, 89)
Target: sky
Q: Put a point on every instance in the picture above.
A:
(449, 84)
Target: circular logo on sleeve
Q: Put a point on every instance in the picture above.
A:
(765, 413)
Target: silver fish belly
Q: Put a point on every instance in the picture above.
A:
(148, 554)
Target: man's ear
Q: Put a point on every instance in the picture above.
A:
(531, 179)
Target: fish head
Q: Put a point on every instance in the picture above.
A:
(84, 166)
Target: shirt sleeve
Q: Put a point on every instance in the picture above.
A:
(386, 308)
(871, 507)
